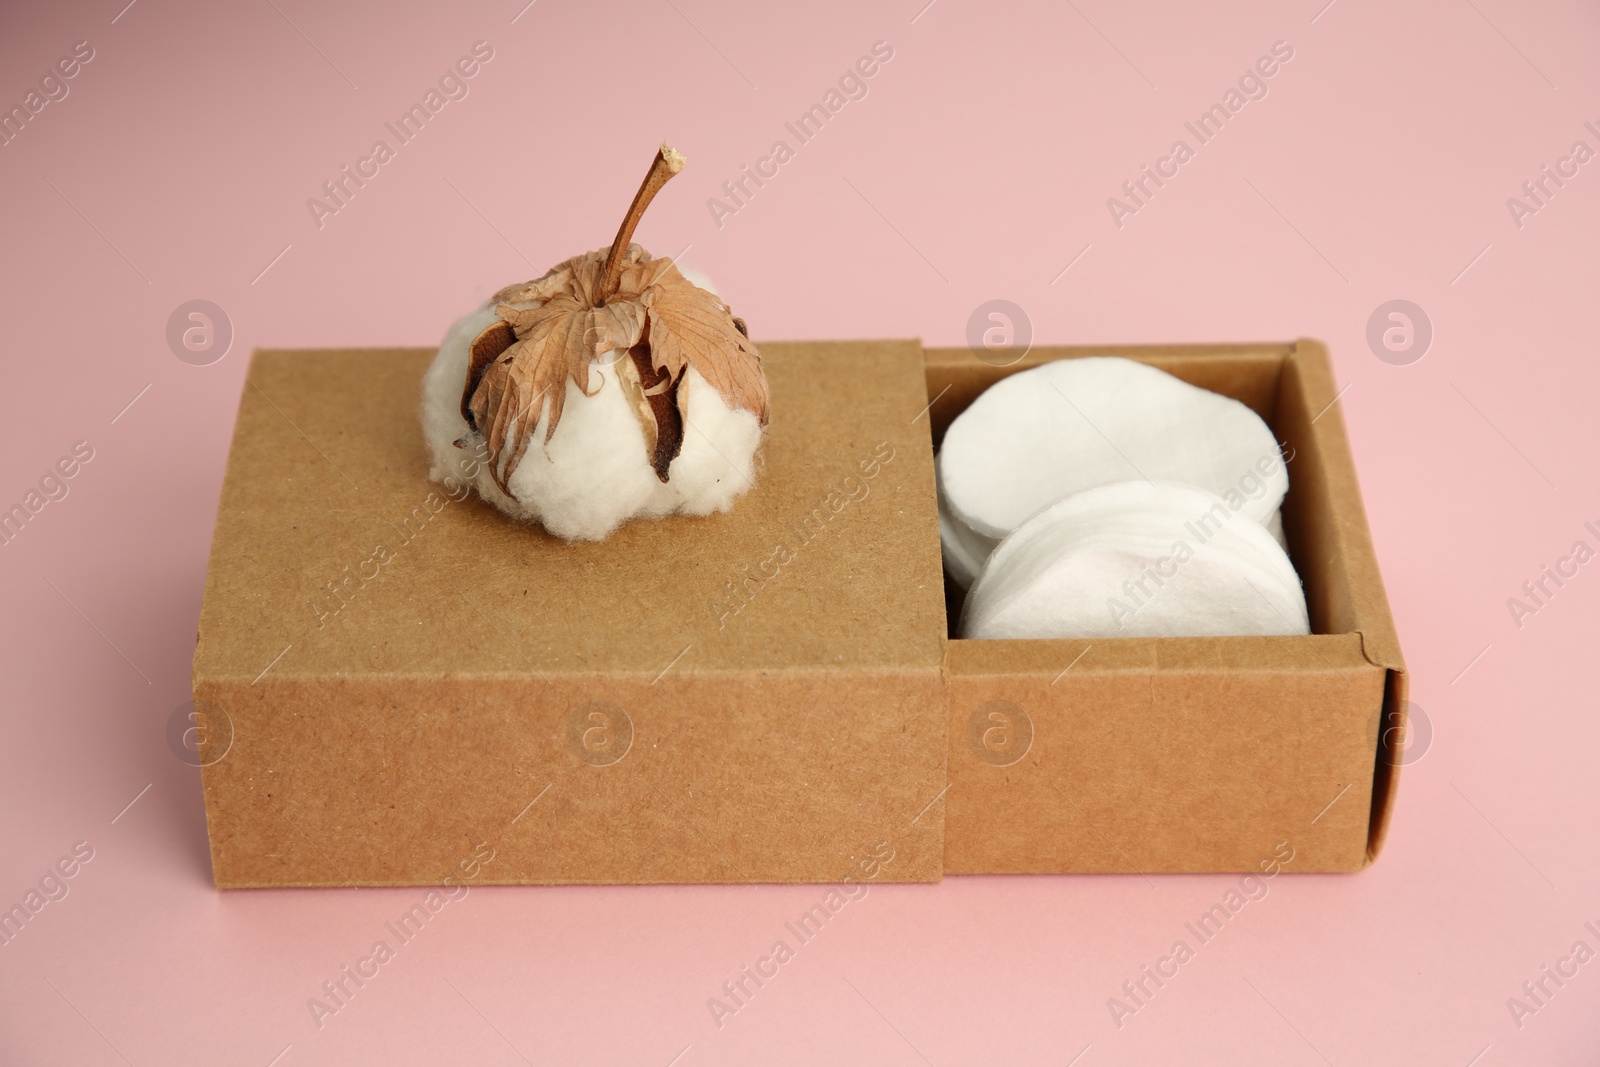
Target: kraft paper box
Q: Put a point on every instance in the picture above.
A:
(410, 680)
(397, 681)
(1190, 754)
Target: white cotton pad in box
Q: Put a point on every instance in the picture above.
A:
(1040, 435)
(1136, 559)
(964, 551)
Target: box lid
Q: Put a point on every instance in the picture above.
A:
(333, 554)
(751, 696)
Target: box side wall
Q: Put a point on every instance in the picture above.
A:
(1126, 763)
(1317, 515)
(788, 777)
(1329, 531)
(1392, 749)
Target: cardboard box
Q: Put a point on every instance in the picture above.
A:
(398, 683)
(412, 682)
(1193, 754)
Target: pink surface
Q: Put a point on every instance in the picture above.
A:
(978, 166)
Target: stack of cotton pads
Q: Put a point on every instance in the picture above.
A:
(1101, 497)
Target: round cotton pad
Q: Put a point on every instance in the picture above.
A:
(1275, 528)
(1071, 424)
(1136, 559)
(964, 551)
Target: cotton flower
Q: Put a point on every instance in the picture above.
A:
(594, 472)
(610, 388)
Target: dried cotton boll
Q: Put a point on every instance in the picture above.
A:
(1046, 433)
(1136, 559)
(594, 473)
(613, 387)
(717, 463)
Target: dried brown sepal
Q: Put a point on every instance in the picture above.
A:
(662, 405)
(615, 298)
(486, 347)
(691, 327)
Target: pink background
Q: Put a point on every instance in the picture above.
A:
(979, 165)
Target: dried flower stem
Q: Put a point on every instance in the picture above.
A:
(668, 162)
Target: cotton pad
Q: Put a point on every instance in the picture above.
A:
(1275, 528)
(1043, 434)
(1136, 559)
(964, 551)
(594, 472)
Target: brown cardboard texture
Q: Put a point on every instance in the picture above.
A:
(399, 680)
(1197, 754)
